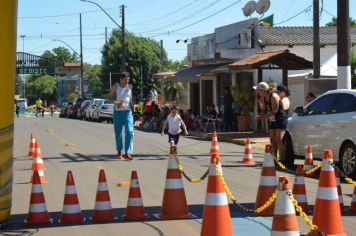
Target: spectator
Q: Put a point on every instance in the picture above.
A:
(189, 120)
(39, 107)
(52, 107)
(123, 114)
(148, 106)
(309, 97)
(213, 112)
(228, 112)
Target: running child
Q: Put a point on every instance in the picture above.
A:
(174, 122)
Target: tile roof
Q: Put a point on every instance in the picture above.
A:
(71, 64)
(300, 35)
(163, 74)
(283, 59)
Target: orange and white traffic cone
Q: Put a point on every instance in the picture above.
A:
(352, 208)
(284, 219)
(308, 162)
(102, 209)
(248, 159)
(31, 150)
(299, 190)
(37, 213)
(339, 191)
(327, 214)
(71, 209)
(216, 215)
(268, 182)
(37, 164)
(174, 204)
(135, 209)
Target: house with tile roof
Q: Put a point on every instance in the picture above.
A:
(209, 56)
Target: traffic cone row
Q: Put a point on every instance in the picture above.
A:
(37, 164)
(31, 150)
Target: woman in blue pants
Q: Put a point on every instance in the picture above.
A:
(122, 92)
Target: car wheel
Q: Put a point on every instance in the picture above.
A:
(348, 159)
(289, 152)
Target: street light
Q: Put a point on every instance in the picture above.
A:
(122, 28)
(58, 40)
(23, 64)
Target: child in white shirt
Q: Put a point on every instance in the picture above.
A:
(174, 122)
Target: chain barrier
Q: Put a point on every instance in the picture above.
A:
(283, 167)
(191, 180)
(303, 214)
(232, 198)
(342, 174)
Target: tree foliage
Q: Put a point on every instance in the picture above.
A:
(44, 87)
(333, 22)
(140, 53)
(92, 75)
(173, 90)
(60, 54)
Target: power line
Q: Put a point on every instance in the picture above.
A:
(184, 18)
(205, 18)
(62, 15)
(296, 15)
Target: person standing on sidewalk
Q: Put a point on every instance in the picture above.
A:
(121, 95)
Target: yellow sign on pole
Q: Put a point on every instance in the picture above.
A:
(8, 17)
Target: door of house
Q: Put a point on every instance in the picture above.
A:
(195, 97)
(207, 93)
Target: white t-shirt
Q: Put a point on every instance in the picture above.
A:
(174, 123)
(123, 95)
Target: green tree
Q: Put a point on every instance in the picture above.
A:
(60, 54)
(353, 68)
(44, 87)
(333, 22)
(173, 90)
(140, 52)
(72, 96)
(92, 74)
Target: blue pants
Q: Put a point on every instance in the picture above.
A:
(124, 118)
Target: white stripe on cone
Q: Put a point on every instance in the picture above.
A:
(289, 233)
(285, 206)
(268, 181)
(215, 147)
(268, 161)
(174, 184)
(71, 209)
(299, 180)
(300, 197)
(172, 164)
(216, 199)
(38, 207)
(102, 186)
(326, 166)
(248, 146)
(103, 205)
(134, 183)
(212, 170)
(248, 156)
(327, 193)
(70, 189)
(135, 202)
(37, 188)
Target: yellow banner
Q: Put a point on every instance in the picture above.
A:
(8, 17)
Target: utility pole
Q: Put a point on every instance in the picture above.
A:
(141, 81)
(123, 66)
(81, 84)
(23, 65)
(343, 45)
(162, 89)
(316, 40)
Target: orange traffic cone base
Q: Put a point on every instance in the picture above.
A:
(248, 161)
(101, 216)
(38, 218)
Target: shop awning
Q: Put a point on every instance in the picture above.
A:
(164, 74)
(192, 74)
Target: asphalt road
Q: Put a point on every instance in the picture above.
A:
(85, 147)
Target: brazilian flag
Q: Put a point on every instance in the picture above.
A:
(267, 21)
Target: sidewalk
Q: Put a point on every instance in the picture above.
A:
(258, 138)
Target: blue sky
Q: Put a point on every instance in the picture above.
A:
(43, 21)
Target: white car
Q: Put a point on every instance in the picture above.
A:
(328, 122)
(90, 109)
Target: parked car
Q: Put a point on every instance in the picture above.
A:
(328, 122)
(74, 109)
(81, 111)
(94, 104)
(65, 109)
(104, 112)
(95, 113)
